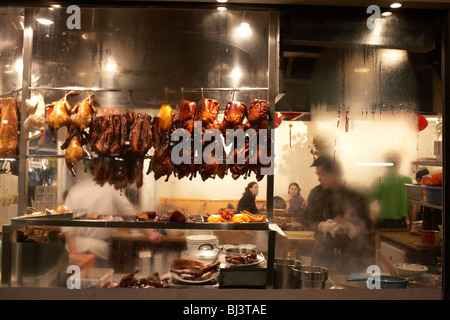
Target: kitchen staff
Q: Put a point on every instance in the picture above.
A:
(392, 196)
(341, 221)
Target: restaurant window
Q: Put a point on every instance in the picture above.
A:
(367, 97)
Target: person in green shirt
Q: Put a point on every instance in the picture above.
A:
(391, 193)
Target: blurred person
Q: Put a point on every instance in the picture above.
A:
(340, 219)
(295, 204)
(101, 203)
(392, 196)
(247, 201)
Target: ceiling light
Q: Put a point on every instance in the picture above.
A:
(111, 66)
(222, 1)
(386, 14)
(44, 17)
(244, 30)
(396, 5)
(221, 9)
(236, 73)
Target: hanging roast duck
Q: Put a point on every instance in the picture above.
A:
(60, 115)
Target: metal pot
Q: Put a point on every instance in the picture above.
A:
(310, 277)
(284, 276)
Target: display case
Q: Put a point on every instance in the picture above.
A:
(135, 62)
(136, 65)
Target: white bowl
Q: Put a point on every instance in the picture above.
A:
(409, 269)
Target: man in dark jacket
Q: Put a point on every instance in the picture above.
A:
(341, 220)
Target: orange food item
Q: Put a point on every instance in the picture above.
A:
(254, 217)
(215, 218)
(240, 218)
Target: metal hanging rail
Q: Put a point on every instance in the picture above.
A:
(84, 89)
(10, 92)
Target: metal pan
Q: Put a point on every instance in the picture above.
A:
(387, 282)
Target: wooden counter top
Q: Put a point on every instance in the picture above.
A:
(405, 238)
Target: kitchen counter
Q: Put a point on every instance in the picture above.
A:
(404, 238)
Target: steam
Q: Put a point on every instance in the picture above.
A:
(365, 107)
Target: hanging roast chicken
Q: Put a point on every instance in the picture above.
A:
(35, 122)
(60, 115)
(8, 127)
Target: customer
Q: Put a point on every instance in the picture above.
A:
(247, 201)
(295, 204)
(340, 218)
(392, 196)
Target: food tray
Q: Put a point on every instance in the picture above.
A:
(56, 216)
(434, 194)
(96, 277)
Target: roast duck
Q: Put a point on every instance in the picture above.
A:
(188, 269)
(84, 112)
(75, 148)
(9, 126)
(121, 141)
(60, 114)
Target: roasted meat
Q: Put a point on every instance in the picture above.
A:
(184, 118)
(189, 269)
(84, 112)
(60, 115)
(74, 146)
(35, 122)
(8, 127)
(258, 114)
(212, 165)
(234, 116)
(208, 112)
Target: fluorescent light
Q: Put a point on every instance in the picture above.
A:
(222, 1)
(375, 164)
(44, 21)
(396, 5)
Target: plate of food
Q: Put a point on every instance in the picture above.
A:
(193, 271)
(244, 259)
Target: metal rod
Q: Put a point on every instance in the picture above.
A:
(26, 80)
(10, 92)
(75, 88)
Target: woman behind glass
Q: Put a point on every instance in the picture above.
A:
(247, 201)
(295, 204)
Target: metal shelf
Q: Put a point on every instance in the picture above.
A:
(426, 204)
(44, 221)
